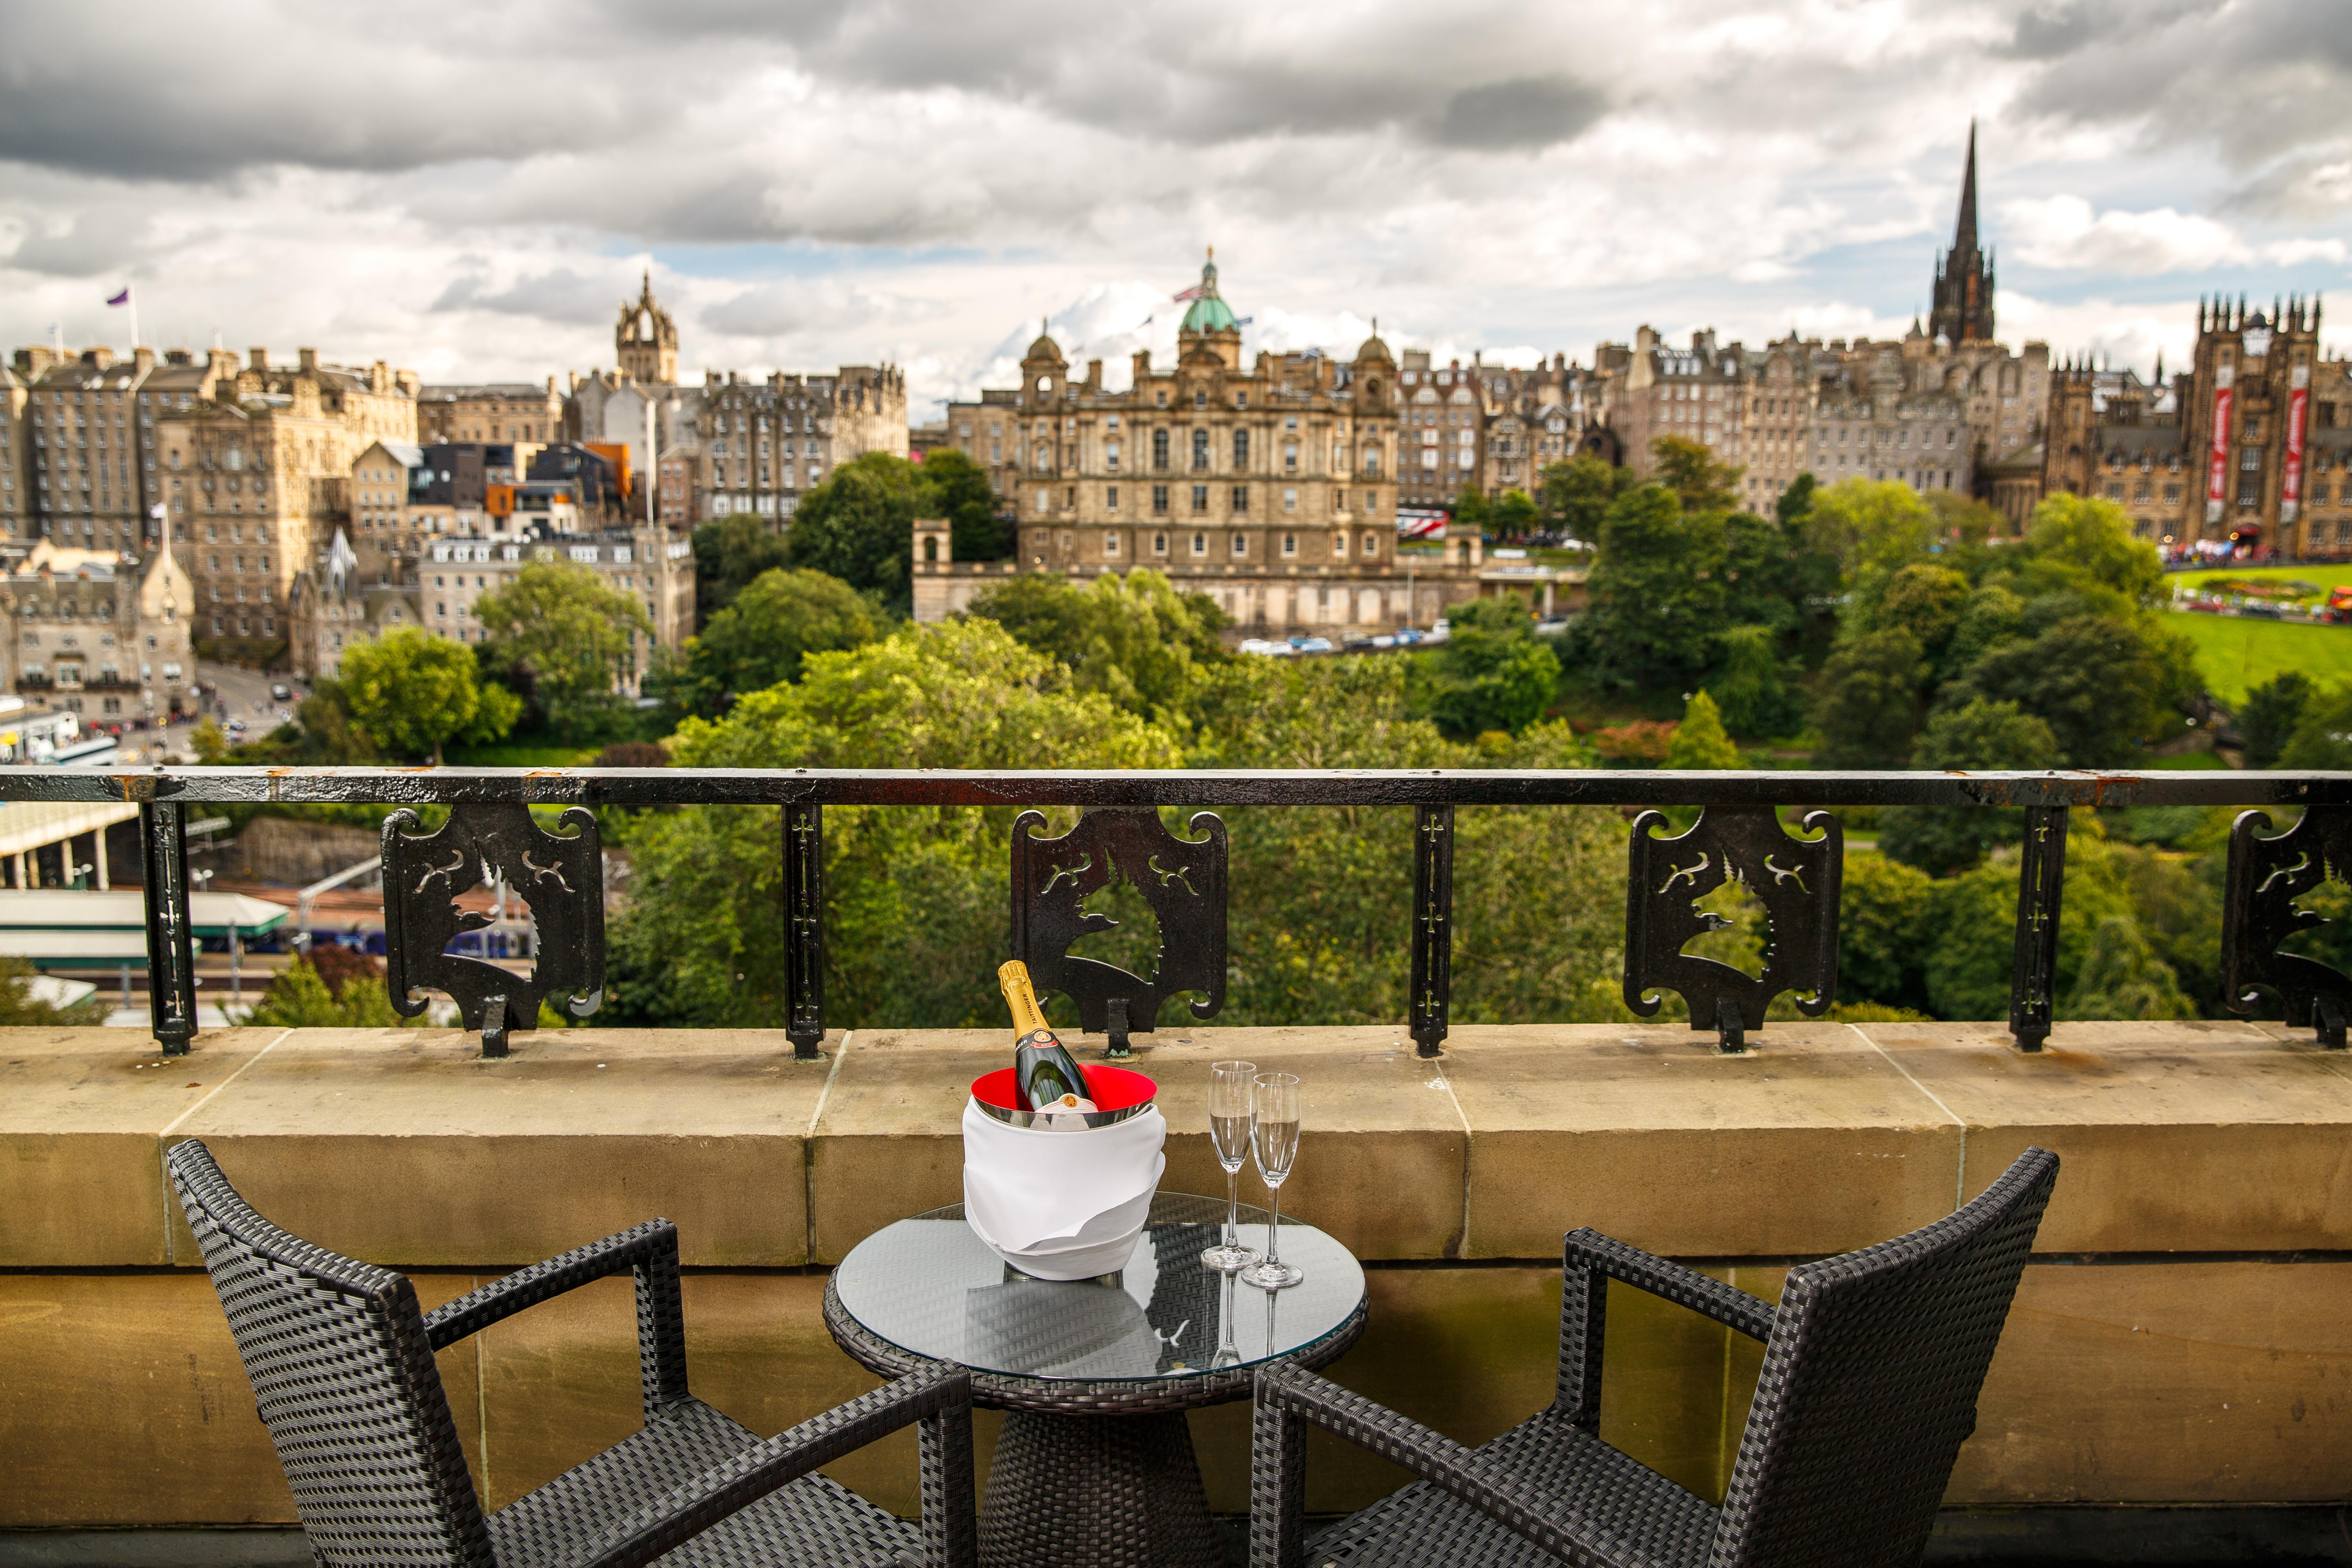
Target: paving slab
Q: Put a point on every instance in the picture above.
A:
(1813, 1141)
(81, 1113)
(2176, 1137)
(405, 1147)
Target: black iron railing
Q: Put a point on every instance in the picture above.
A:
(1738, 836)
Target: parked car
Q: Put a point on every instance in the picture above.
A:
(1311, 645)
(281, 692)
(236, 726)
(1551, 626)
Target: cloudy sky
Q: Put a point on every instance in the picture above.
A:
(472, 190)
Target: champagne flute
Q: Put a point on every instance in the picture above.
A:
(1229, 1129)
(1228, 1356)
(1277, 1106)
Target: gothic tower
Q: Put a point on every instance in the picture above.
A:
(646, 340)
(1963, 296)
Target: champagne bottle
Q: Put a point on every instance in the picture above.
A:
(1045, 1076)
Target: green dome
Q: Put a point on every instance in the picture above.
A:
(1210, 313)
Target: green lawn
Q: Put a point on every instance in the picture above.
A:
(2236, 653)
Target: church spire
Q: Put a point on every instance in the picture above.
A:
(1964, 281)
(1964, 234)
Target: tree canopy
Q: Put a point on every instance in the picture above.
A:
(762, 636)
(569, 638)
(1136, 639)
(413, 693)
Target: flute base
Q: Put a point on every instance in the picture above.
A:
(1272, 1276)
(1229, 1257)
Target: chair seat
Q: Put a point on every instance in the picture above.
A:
(1637, 1517)
(810, 1520)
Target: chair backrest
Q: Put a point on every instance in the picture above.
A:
(343, 1377)
(1869, 1386)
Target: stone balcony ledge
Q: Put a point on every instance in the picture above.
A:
(2179, 1339)
(2177, 1137)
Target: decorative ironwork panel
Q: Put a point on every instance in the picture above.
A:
(1797, 882)
(2040, 885)
(561, 878)
(1183, 880)
(170, 930)
(2266, 877)
(1433, 925)
(805, 929)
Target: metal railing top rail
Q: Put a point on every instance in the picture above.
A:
(491, 837)
(1171, 786)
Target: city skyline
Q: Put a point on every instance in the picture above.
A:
(907, 186)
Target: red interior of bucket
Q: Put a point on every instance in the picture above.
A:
(1113, 1088)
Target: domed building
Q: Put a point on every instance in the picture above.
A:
(1270, 486)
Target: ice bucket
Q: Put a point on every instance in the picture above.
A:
(1059, 1202)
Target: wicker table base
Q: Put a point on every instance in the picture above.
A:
(1074, 1491)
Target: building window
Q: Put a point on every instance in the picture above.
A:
(1159, 544)
(1290, 456)
(1200, 452)
(1290, 498)
(1199, 498)
(1240, 501)
(1240, 451)
(1110, 546)
(1110, 457)
(1241, 544)
(1372, 545)
(1200, 400)
(1160, 445)
(1041, 500)
(1289, 544)
(1159, 498)
(1110, 497)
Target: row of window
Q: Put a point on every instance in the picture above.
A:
(1237, 499)
(1114, 546)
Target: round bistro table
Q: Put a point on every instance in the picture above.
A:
(1095, 1464)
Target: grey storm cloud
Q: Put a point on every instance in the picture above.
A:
(561, 295)
(1520, 114)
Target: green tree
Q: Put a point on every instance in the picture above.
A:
(1575, 493)
(731, 553)
(1689, 470)
(1515, 515)
(1757, 688)
(915, 897)
(2103, 683)
(1883, 931)
(209, 741)
(859, 526)
(411, 692)
(19, 1007)
(571, 638)
(2121, 977)
(1868, 708)
(299, 999)
(1471, 509)
(2322, 738)
(1135, 638)
(1972, 919)
(2083, 542)
(959, 492)
(760, 638)
(1654, 598)
(1982, 736)
(1871, 527)
(1492, 673)
(1795, 504)
(1699, 741)
(2271, 713)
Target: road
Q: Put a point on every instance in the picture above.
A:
(243, 693)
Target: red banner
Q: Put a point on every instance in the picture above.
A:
(2216, 468)
(2298, 401)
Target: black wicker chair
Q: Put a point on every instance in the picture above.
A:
(341, 1359)
(1871, 1363)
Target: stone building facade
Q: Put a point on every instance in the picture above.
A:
(1491, 428)
(255, 482)
(732, 443)
(513, 411)
(1271, 488)
(97, 632)
(2248, 446)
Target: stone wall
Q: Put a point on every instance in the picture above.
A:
(2181, 1338)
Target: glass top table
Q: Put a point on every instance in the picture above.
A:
(931, 1288)
(1141, 1346)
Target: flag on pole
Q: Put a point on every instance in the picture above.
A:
(1194, 292)
(122, 299)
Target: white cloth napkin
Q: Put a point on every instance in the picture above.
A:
(1024, 1187)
